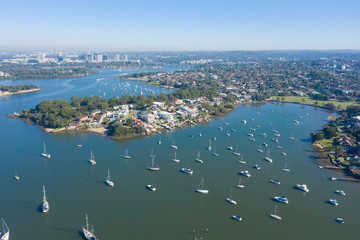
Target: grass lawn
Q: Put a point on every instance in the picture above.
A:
(308, 100)
(326, 142)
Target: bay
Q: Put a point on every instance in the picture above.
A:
(175, 210)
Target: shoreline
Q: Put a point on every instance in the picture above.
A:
(21, 92)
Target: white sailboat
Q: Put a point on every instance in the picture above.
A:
(236, 153)
(6, 231)
(159, 142)
(45, 204)
(227, 133)
(201, 188)
(174, 146)
(242, 159)
(267, 158)
(259, 149)
(92, 158)
(108, 181)
(44, 153)
(230, 200)
(127, 156)
(198, 158)
(86, 231)
(175, 159)
(274, 216)
(285, 169)
(153, 168)
(214, 153)
(200, 134)
(16, 176)
(209, 147)
(240, 185)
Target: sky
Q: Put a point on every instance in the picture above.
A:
(179, 25)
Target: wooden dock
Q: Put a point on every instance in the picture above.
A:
(331, 167)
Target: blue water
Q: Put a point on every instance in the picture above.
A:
(130, 211)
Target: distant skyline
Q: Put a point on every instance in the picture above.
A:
(185, 25)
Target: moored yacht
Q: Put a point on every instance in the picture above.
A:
(45, 204)
(302, 187)
(245, 173)
(198, 159)
(257, 167)
(92, 159)
(151, 187)
(89, 235)
(187, 171)
(127, 156)
(282, 199)
(240, 185)
(340, 220)
(5, 235)
(44, 153)
(175, 159)
(237, 218)
(153, 168)
(334, 201)
(230, 148)
(340, 192)
(230, 200)
(108, 181)
(275, 181)
(201, 189)
(274, 216)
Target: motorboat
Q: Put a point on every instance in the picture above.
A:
(245, 173)
(340, 192)
(187, 171)
(340, 220)
(302, 187)
(275, 181)
(282, 199)
(334, 201)
(237, 218)
(151, 187)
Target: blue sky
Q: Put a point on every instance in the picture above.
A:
(180, 25)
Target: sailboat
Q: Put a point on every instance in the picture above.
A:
(174, 146)
(285, 169)
(227, 133)
(6, 231)
(44, 154)
(267, 158)
(259, 149)
(175, 159)
(92, 158)
(159, 142)
(201, 188)
(127, 156)
(230, 200)
(153, 168)
(16, 176)
(198, 158)
(274, 216)
(209, 147)
(236, 152)
(242, 159)
(214, 153)
(45, 204)
(108, 181)
(87, 233)
(200, 134)
(240, 185)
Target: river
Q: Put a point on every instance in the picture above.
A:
(175, 211)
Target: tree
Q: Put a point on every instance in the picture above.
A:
(317, 137)
(329, 132)
(129, 121)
